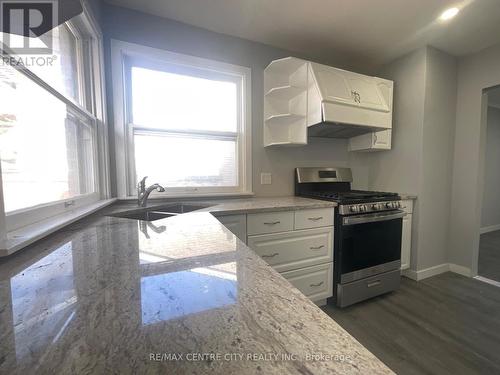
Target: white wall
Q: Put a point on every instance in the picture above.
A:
(475, 73)
(491, 193)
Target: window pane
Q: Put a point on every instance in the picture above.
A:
(174, 101)
(182, 161)
(46, 155)
(63, 73)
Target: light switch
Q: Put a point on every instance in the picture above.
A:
(265, 178)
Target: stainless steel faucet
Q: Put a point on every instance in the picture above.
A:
(143, 191)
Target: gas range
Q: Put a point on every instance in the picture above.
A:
(367, 233)
(334, 184)
(358, 201)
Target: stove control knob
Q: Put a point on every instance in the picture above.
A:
(388, 205)
(375, 206)
(398, 204)
(362, 208)
(354, 209)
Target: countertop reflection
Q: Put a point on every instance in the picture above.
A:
(112, 295)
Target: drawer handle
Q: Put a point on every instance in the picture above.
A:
(315, 218)
(374, 283)
(317, 247)
(272, 223)
(270, 256)
(316, 285)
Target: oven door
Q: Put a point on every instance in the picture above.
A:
(369, 244)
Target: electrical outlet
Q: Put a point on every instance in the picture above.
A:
(265, 178)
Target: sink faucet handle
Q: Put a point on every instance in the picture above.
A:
(142, 184)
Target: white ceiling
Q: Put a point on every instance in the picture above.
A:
(367, 32)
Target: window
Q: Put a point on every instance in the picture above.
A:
(52, 128)
(47, 153)
(186, 124)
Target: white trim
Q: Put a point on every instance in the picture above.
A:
(436, 270)
(488, 281)
(25, 236)
(490, 228)
(123, 147)
(461, 270)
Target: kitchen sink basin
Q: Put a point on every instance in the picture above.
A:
(182, 208)
(161, 212)
(145, 215)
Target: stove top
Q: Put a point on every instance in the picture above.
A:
(351, 196)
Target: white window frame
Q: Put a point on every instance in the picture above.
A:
(122, 53)
(91, 106)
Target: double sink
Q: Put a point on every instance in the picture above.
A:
(161, 212)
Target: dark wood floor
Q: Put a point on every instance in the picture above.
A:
(489, 256)
(447, 324)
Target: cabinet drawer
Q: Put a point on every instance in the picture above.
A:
(319, 217)
(237, 224)
(269, 222)
(315, 282)
(293, 250)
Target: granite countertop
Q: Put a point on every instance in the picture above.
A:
(177, 295)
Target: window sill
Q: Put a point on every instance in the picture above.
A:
(190, 196)
(25, 236)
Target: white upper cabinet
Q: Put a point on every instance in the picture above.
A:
(343, 87)
(334, 87)
(304, 99)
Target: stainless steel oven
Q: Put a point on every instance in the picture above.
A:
(368, 255)
(368, 231)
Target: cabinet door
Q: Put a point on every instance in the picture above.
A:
(382, 140)
(406, 243)
(366, 92)
(333, 84)
(377, 141)
(237, 224)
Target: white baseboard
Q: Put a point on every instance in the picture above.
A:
(489, 281)
(461, 270)
(436, 270)
(491, 228)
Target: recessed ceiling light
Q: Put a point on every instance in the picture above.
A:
(448, 14)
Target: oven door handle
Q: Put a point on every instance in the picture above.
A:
(372, 218)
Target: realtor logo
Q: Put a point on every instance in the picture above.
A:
(24, 21)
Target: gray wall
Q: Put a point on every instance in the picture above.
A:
(491, 197)
(420, 161)
(475, 73)
(437, 159)
(400, 168)
(140, 28)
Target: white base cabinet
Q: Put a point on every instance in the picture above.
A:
(406, 237)
(299, 244)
